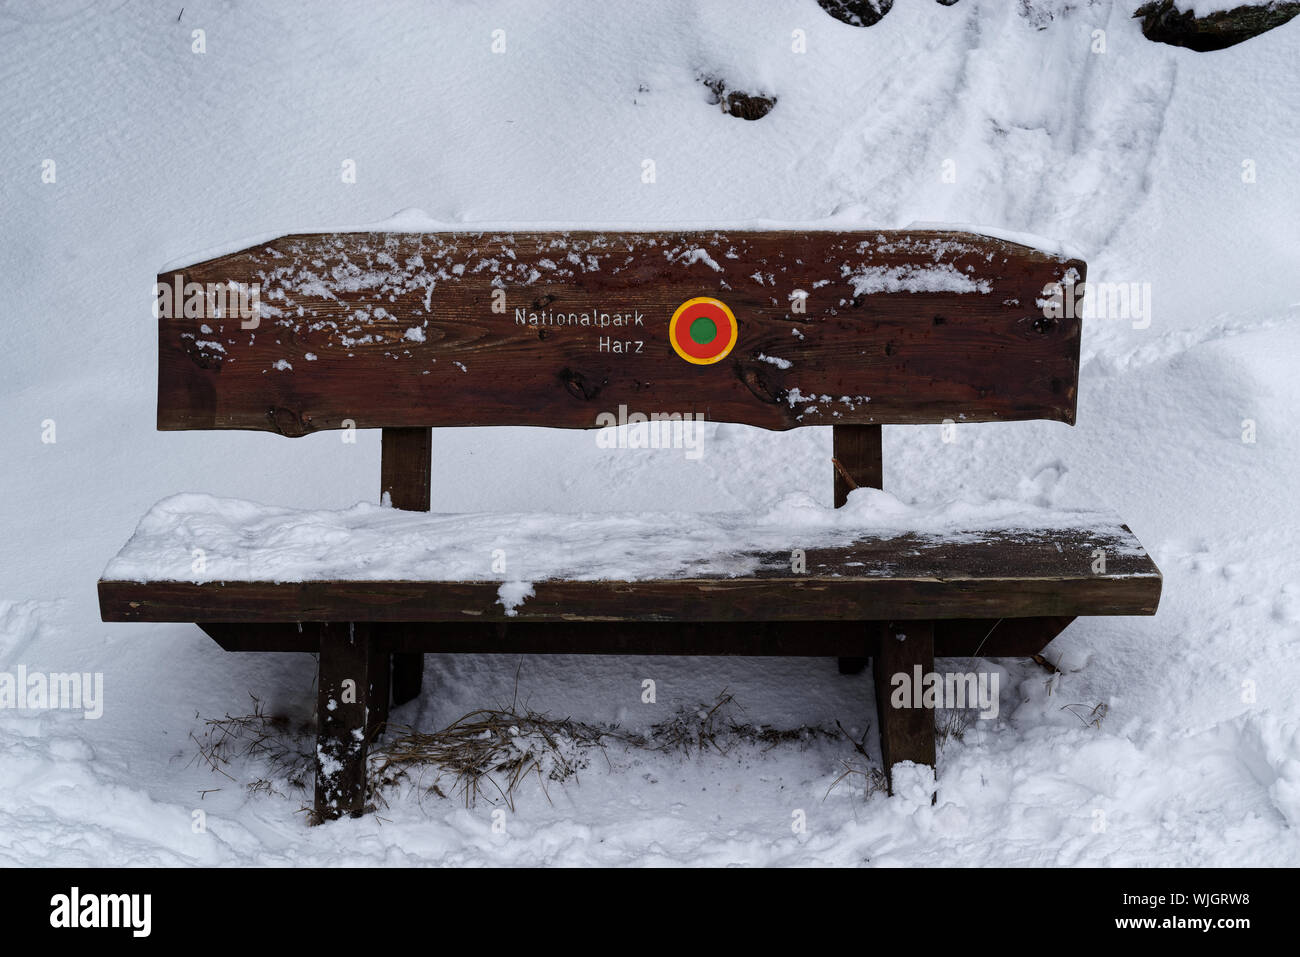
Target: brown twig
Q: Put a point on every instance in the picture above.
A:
(844, 473)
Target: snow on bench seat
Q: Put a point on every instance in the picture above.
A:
(200, 558)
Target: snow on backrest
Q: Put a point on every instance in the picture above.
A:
(776, 329)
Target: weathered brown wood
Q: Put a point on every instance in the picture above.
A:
(671, 600)
(399, 330)
(343, 714)
(859, 459)
(381, 680)
(406, 463)
(694, 599)
(955, 637)
(262, 635)
(405, 475)
(1018, 575)
(906, 733)
(858, 456)
(997, 638)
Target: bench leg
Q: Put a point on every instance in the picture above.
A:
(350, 684)
(381, 683)
(408, 676)
(906, 733)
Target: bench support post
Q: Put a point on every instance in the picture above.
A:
(351, 684)
(906, 733)
(405, 471)
(859, 463)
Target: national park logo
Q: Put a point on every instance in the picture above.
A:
(703, 330)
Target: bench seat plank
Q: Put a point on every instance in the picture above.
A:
(388, 565)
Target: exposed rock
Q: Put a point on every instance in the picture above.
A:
(747, 106)
(858, 13)
(1163, 22)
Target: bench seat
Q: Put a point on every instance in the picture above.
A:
(368, 563)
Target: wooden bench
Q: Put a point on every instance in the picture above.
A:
(407, 331)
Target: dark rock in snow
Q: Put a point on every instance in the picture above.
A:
(857, 13)
(747, 106)
(1163, 22)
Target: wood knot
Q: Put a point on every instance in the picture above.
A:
(288, 423)
(576, 384)
(755, 383)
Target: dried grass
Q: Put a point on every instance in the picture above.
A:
(288, 751)
(490, 753)
(716, 727)
(1094, 718)
(873, 778)
(952, 723)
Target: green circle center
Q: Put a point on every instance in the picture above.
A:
(703, 330)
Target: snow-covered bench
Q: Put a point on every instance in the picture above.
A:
(408, 331)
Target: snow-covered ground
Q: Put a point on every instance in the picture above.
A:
(1161, 165)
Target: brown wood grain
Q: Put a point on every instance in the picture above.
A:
(906, 733)
(405, 473)
(406, 462)
(905, 577)
(857, 454)
(347, 697)
(858, 459)
(953, 637)
(386, 330)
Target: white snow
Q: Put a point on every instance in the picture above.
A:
(943, 277)
(1156, 163)
(513, 594)
(245, 541)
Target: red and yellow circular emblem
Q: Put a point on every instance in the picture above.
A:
(703, 330)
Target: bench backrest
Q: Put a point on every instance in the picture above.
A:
(773, 329)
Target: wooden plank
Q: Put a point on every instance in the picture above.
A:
(386, 330)
(693, 599)
(405, 476)
(955, 637)
(997, 638)
(1019, 574)
(906, 732)
(380, 673)
(858, 459)
(857, 456)
(406, 463)
(903, 577)
(343, 704)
